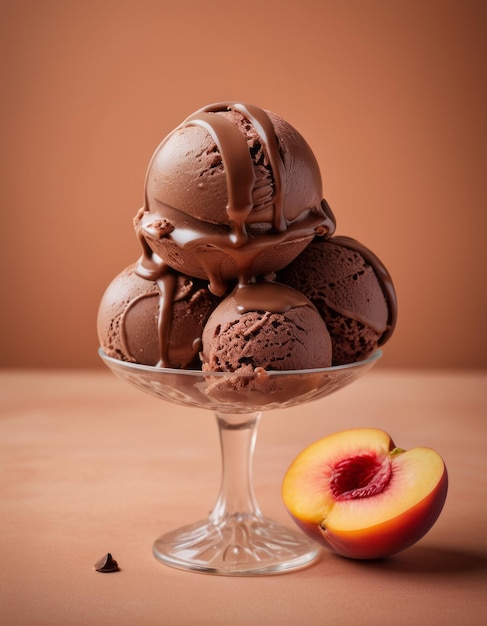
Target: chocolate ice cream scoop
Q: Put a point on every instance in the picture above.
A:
(234, 192)
(352, 290)
(265, 325)
(154, 322)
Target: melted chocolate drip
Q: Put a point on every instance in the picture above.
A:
(234, 241)
(268, 296)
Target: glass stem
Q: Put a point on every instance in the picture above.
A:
(237, 440)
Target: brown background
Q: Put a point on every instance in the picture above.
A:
(390, 95)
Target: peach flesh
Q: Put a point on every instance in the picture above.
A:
(362, 497)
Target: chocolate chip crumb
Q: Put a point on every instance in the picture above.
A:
(107, 564)
(159, 228)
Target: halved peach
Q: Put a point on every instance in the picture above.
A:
(361, 496)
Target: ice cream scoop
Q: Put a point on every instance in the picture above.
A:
(265, 325)
(353, 291)
(232, 193)
(239, 264)
(154, 322)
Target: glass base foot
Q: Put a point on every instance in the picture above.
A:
(240, 545)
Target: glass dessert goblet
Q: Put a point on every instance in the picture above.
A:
(237, 539)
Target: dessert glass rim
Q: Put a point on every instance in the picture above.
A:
(376, 355)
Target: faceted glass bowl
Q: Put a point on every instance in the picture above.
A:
(237, 539)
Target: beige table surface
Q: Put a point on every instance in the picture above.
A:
(89, 465)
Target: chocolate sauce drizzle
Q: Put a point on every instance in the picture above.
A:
(240, 175)
(240, 180)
